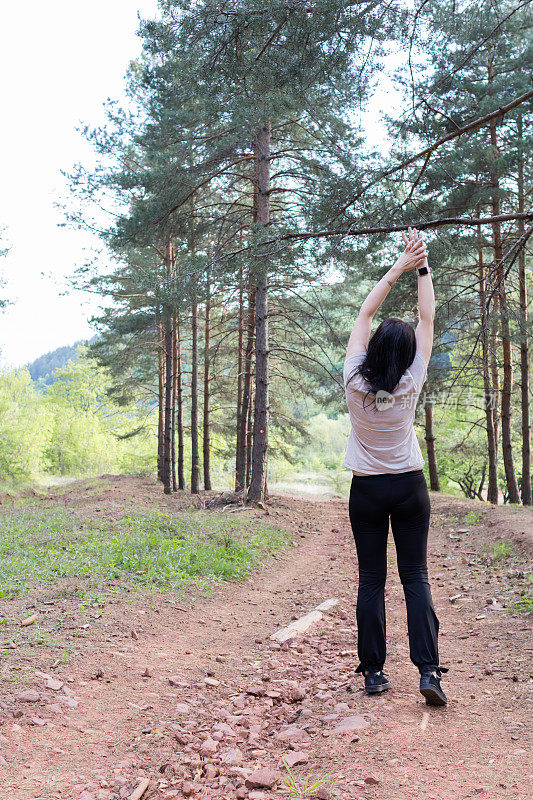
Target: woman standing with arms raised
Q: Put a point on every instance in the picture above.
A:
(383, 378)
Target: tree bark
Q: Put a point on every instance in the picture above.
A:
(161, 397)
(195, 456)
(505, 331)
(174, 400)
(179, 393)
(434, 481)
(524, 340)
(256, 491)
(207, 382)
(167, 324)
(242, 472)
(240, 380)
(492, 449)
(249, 432)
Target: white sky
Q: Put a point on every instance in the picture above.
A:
(59, 62)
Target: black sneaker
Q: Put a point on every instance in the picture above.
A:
(431, 689)
(375, 680)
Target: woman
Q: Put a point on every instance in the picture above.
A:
(383, 378)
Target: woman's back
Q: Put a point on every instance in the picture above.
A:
(382, 436)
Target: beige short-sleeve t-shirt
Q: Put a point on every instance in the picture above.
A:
(382, 435)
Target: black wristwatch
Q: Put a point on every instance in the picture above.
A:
(424, 270)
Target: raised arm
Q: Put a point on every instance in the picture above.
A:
(413, 256)
(426, 314)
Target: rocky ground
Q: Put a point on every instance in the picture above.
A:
(189, 697)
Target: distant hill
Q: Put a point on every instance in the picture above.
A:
(43, 368)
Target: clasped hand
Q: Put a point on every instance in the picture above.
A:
(415, 251)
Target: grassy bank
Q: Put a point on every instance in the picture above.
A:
(146, 551)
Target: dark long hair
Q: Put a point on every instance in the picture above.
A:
(390, 352)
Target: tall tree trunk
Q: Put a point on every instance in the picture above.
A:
(492, 489)
(242, 472)
(167, 469)
(505, 329)
(524, 342)
(167, 324)
(249, 433)
(240, 379)
(174, 400)
(161, 397)
(195, 456)
(179, 393)
(256, 491)
(494, 363)
(207, 382)
(434, 482)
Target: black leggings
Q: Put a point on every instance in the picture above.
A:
(404, 497)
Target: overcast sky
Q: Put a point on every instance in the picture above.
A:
(59, 62)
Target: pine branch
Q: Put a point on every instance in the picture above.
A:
(500, 112)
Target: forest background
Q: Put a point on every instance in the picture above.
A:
(243, 215)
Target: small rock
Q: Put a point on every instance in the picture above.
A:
(295, 694)
(187, 788)
(29, 620)
(256, 691)
(28, 696)
(146, 673)
(208, 747)
(37, 721)
(349, 724)
(54, 708)
(85, 795)
(211, 682)
(263, 778)
(296, 757)
(232, 757)
(53, 684)
(372, 779)
(292, 734)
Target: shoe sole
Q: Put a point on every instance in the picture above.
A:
(378, 689)
(433, 697)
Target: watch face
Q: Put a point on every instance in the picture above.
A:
(423, 271)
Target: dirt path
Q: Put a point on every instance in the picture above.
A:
(117, 719)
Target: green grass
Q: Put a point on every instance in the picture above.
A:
(525, 603)
(309, 785)
(143, 551)
(500, 550)
(472, 518)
